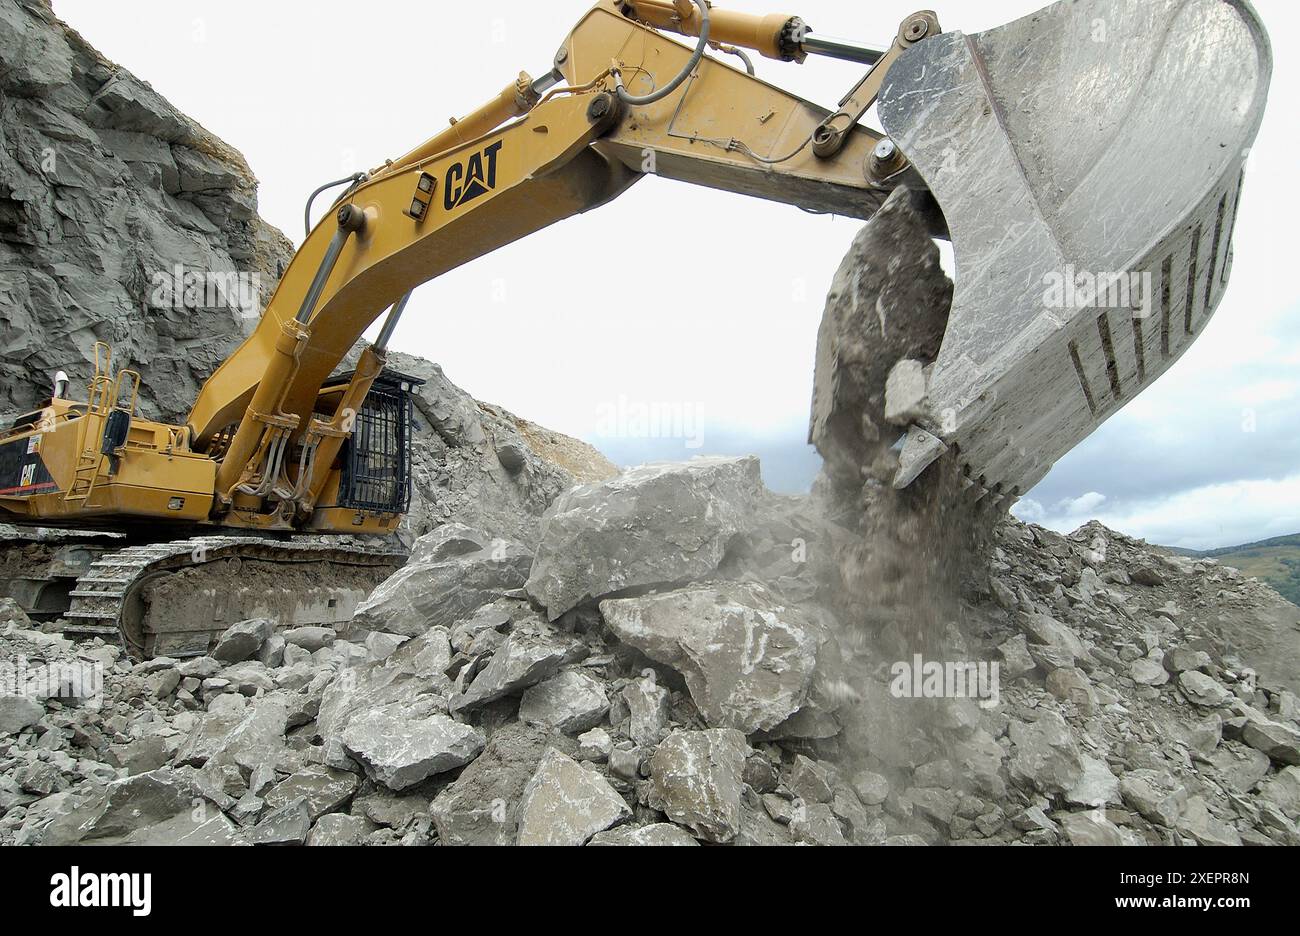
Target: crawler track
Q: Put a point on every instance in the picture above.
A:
(111, 600)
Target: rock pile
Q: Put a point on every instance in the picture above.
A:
(668, 667)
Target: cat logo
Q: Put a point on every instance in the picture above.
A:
(472, 178)
(29, 475)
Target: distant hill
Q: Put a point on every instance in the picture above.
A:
(1275, 561)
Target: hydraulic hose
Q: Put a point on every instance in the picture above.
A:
(655, 96)
(306, 214)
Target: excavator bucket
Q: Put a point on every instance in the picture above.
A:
(1089, 162)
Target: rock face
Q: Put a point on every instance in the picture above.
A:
(651, 526)
(106, 191)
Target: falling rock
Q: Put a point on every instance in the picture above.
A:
(906, 393)
(564, 803)
(571, 701)
(240, 641)
(399, 751)
(18, 712)
(654, 525)
(747, 658)
(525, 659)
(1045, 756)
(1203, 690)
(1280, 742)
(697, 777)
(441, 592)
(660, 834)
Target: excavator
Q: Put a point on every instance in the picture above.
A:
(1107, 136)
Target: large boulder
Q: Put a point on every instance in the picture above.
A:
(653, 525)
(748, 659)
(443, 588)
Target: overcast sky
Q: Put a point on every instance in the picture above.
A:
(721, 350)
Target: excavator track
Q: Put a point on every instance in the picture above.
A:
(175, 598)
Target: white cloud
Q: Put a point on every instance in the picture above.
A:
(1206, 517)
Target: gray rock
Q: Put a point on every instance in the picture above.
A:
(1203, 690)
(1089, 829)
(872, 788)
(1044, 756)
(653, 525)
(399, 751)
(906, 393)
(657, 835)
(571, 701)
(18, 712)
(1181, 659)
(748, 659)
(564, 803)
(649, 705)
(288, 825)
(1155, 794)
(1283, 791)
(816, 825)
(595, 745)
(311, 638)
(1016, 660)
(441, 592)
(338, 829)
(1097, 786)
(243, 640)
(525, 659)
(1280, 742)
(325, 789)
(1148, 671)
(481, 807)
(697, 777)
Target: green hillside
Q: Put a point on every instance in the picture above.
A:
(1276, 561)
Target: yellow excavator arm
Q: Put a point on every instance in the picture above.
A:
(479, 185)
